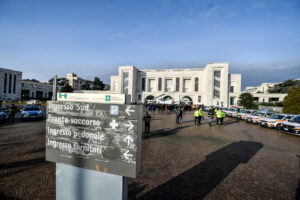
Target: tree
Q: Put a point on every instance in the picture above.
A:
(98, 84)
(86, 85)
(246, 100)
(291, 102)
(66, 88)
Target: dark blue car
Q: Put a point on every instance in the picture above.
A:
(3, 115)
(31, 112)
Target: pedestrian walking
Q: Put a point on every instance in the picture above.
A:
(12, 112)
(147, 119)
(210, 114)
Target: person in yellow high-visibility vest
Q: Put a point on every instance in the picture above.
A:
(196, 114)
(222, 116)
(219, 115)
(200, 114)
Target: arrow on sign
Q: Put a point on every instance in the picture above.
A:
(128, 110)
(128, 139)
(127, 155)
(130, 125)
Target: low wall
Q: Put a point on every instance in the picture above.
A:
(270, 108)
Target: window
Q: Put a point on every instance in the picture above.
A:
(199, 98)
(216, 89)
(216, 94)
(217, 83)
(143, 84)
(159, 84)
(231, 88)
(5, 83)
(125, 82)
(22, 84)
(9, 83)
(217, 74)
(196, 85)
(177, 84)
(14, 88)
(139, 97)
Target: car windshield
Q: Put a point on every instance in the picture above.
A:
(277, 116)
(32, 108)
(269, 114)
(289, 117)
(295, 119)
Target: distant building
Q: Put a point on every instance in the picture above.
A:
(10, 84)
(36, 90)
(212, 85)
(261, 93)
(263, 88)
(74, 81)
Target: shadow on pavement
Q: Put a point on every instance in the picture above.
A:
(201, 179)
(3, 196)
(163, 132)
(22, 163)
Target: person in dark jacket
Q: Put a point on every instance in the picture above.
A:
(211, 113)
(147, 119)
(12, 112)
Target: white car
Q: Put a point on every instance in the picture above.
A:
(275, 120)
(291, 126)
(244, 114)
(256, 116)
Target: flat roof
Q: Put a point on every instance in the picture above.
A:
(4, 69)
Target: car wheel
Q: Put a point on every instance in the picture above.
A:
(278, 126)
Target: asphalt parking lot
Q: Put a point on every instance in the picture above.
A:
(185, 161)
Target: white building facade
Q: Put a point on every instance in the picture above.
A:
(36, 90)
(212, 85)
(10, 84)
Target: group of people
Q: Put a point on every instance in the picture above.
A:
(220, 115)
(198, 114)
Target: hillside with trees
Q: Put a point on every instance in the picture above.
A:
(284, 87)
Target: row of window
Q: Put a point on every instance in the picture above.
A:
(196, 86)
(11, 83)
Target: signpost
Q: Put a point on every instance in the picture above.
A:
(95, 145)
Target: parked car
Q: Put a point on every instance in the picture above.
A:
(244, 114)
(268, 115)
(256, 116)
(3, 115)
(288, 117)
(275, 120)
(231, 111)
(32, 112)
(291, 126)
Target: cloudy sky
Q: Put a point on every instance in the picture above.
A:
(259, 38)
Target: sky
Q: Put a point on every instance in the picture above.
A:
(258, 38)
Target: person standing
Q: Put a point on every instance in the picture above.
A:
(200, 114)
(219, 115)
(177, 115)
(180, 114)
(210, 116)
(196, 114)
(222, 116)
(12, 112)
(147, 119)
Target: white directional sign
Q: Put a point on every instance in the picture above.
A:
(102, 137)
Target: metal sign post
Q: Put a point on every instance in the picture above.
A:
(96, 146)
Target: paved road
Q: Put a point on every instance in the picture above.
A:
(234, 161)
